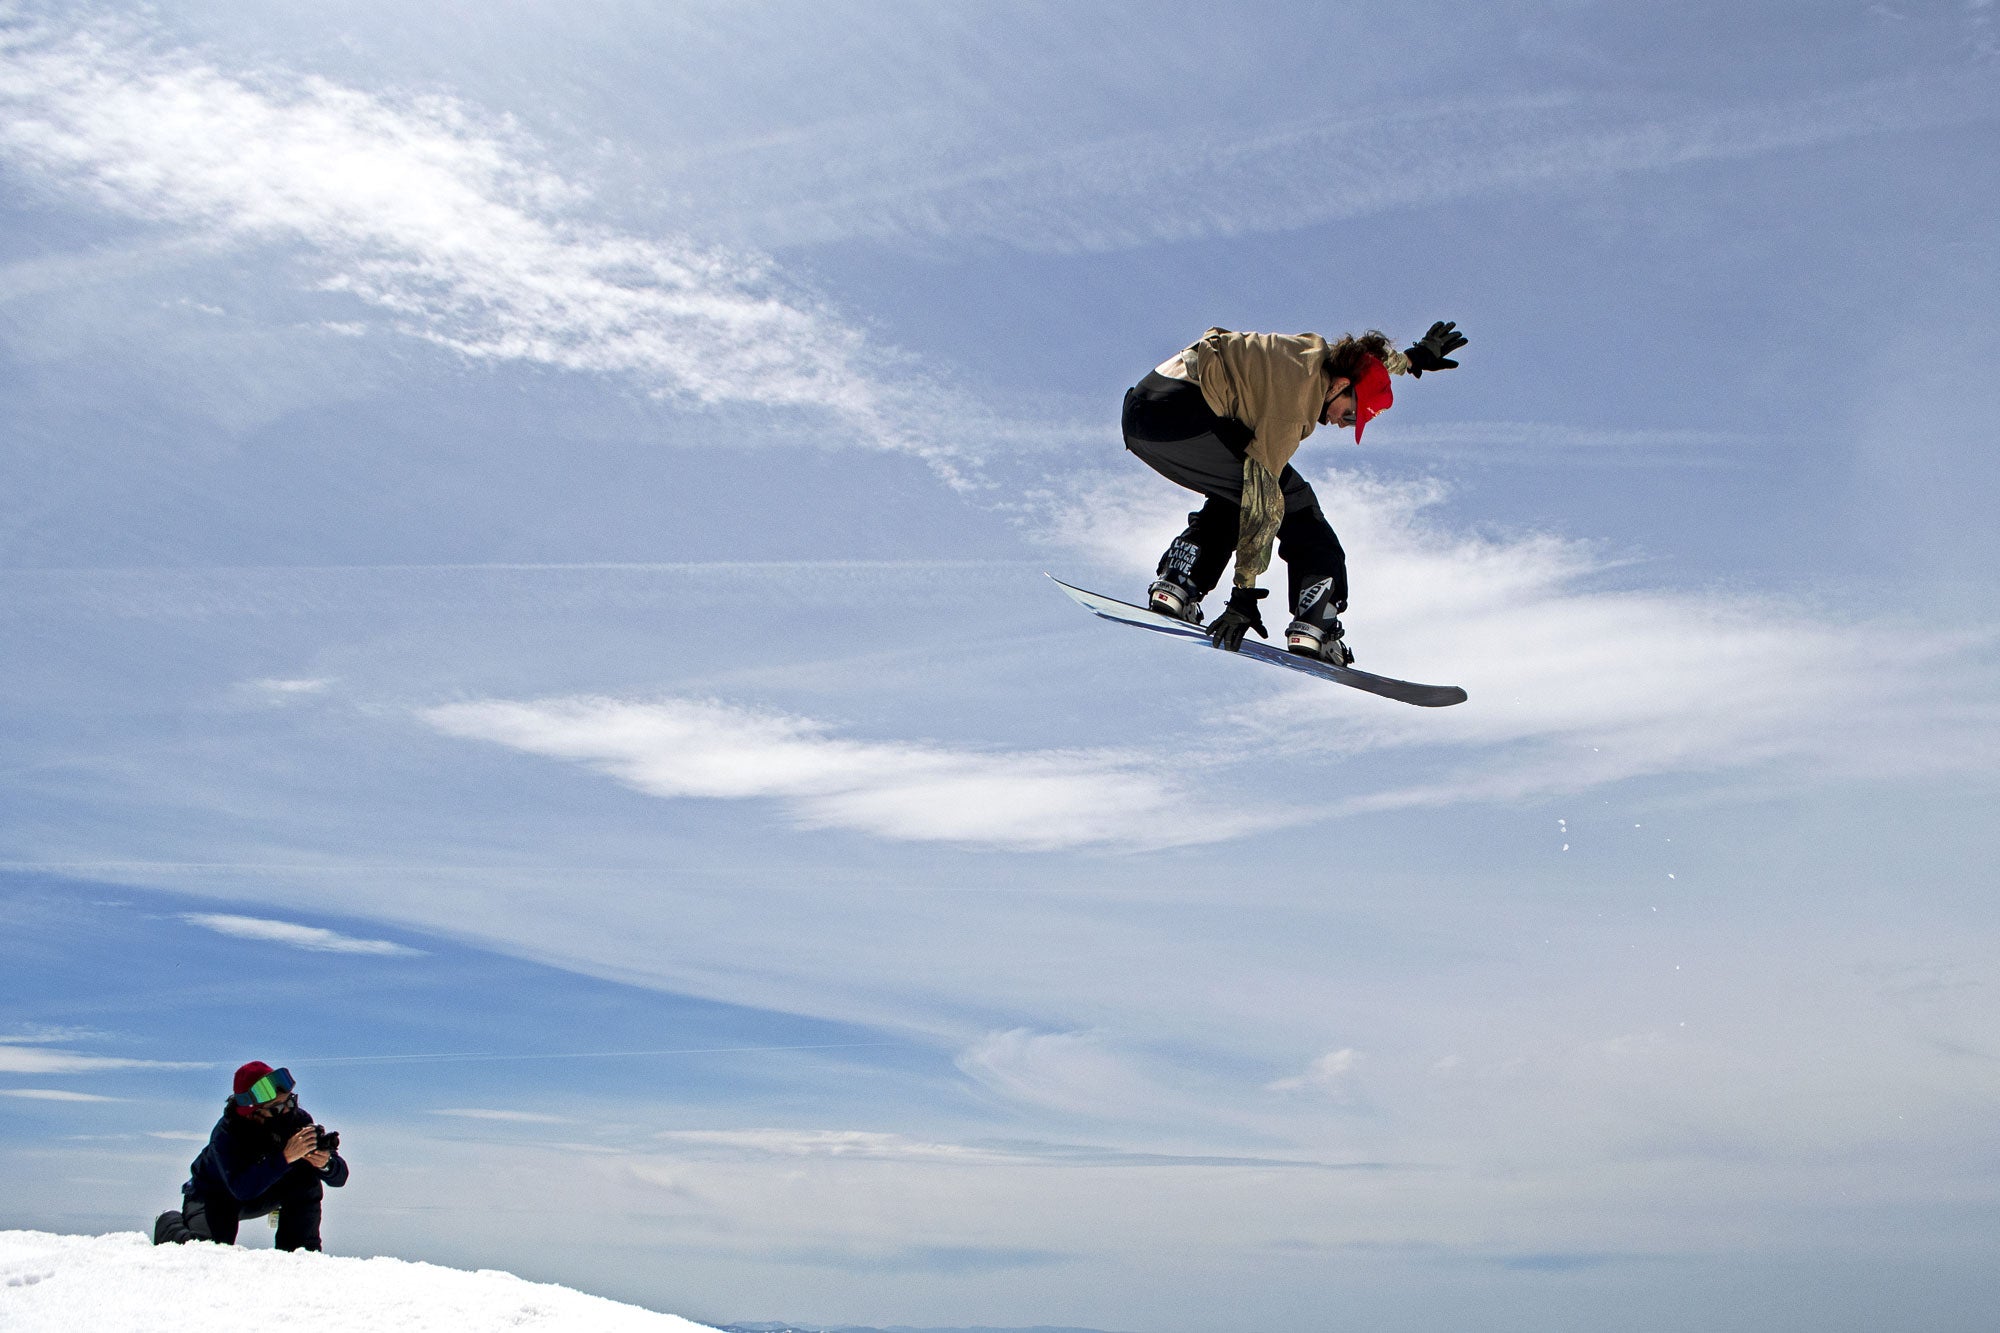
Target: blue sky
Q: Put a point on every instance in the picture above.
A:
(523, 539)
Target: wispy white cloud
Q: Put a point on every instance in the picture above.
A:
(291, 687)
(875, 1146)
(1574, 680)
(510, 1117)
(290, 933)
(1185, 182)
(43, 275)
(1567, 444)
(31, 1036)
(436, 216)
(1579, 676)
(43, 1060)
(1035, 800)
(1571, 445)
(863, 1193)
(842, 1143)
(55, 1095)
(1077, 1073)
(280, 692)
(1331, 1075)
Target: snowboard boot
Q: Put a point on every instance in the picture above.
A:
(1169, 598)
(1316, 631)
(1176, 591)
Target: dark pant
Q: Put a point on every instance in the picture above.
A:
(1168, 424)
(215, 1216)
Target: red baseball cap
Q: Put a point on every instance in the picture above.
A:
(1372, 393)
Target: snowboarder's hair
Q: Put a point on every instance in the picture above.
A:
(1344, 358)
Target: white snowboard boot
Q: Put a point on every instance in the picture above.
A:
(1169, 598)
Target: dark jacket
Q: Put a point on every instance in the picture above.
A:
(245, 1158)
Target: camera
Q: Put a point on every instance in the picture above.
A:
(329, 1140)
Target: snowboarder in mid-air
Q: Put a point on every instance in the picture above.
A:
(1224, 418)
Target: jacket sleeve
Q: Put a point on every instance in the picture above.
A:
(1257, 522)
(334, 1173)
(245, 1168)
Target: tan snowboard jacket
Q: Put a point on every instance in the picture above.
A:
(1274, 383)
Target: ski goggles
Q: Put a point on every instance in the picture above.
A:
(268, 1089)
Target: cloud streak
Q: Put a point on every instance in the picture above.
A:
(437, 217)
(849, 1144)
(503, 1116)
(44, 1060)
(1039, 800)
(1183, 184)
(1553, 444)
(48, 1036)
(1075, 1073)
(292, 935)
(1331, 1074)
(1578, 679)
(1576, 682)
(857, 1145)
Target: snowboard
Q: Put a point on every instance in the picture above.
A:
(1403, 691)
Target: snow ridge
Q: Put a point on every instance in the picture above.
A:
(53, 1284)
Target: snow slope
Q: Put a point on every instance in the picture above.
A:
(122, 1282)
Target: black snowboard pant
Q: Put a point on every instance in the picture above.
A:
(215, 1216)
(1169, 425)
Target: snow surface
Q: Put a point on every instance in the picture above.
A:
(122, 1281)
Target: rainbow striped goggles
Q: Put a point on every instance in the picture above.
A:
(266, 1089)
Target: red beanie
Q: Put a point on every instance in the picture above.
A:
(249, 1074)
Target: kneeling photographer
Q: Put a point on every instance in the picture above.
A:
(265, 1156)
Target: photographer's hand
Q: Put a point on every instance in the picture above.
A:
(302, 1144)
(319, 1157)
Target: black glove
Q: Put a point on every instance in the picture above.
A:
(1241, 615)
(1434, 349)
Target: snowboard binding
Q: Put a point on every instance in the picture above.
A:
(1174, 600)
(1316, 630)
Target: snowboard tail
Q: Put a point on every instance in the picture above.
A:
(1403, 691)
